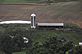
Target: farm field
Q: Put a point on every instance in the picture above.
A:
(67, 12)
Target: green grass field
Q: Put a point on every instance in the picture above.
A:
(17, 1)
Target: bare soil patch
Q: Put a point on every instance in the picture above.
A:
(67, 12)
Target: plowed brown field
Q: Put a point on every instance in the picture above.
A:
(67, 12)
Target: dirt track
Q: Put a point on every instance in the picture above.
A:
(67, 12)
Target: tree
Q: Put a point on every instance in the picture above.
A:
(9, 44)
(52, 45)
(6, 44)
(76, 50)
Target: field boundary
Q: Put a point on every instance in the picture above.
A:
(33, 4)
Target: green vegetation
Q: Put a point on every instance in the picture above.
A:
(17, 1)
(52, 45)
(23, 52)
(32, 1)
(39, 36)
